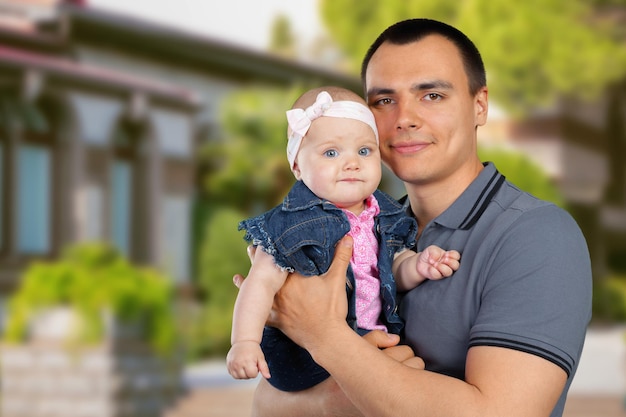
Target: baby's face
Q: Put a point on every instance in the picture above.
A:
(339, 161)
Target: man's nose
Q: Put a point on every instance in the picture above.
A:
(409, 116)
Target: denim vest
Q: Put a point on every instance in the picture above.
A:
(302, 232)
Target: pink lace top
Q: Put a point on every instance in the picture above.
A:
(364, 264)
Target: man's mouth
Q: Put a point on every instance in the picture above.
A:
(410, 147)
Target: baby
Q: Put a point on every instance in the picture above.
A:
(333, 153)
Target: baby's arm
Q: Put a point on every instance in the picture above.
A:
(252, 308)
(410, 268)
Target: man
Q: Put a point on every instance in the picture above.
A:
(503, 336)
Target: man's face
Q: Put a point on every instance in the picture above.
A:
(425, 114)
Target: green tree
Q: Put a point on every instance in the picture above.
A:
(522, 172)
(282, 39)
(222, 254)
(535, 51)
(244, 173)
(248, 169)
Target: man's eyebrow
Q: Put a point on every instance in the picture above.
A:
(432, 85)
(380, 91)
(420, 86)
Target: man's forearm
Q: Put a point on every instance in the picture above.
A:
(381, 386)
(499, 381)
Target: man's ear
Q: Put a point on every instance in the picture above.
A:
(481, 105)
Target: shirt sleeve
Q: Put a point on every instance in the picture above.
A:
(537, 297)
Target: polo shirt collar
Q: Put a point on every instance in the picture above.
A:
(467, 209)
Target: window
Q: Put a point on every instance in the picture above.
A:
(175, 237)
(33, 199)
(121, 181)
(122, 189)
(27, 199)
(93, 201)
(173, 131)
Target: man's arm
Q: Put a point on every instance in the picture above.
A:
(316, 401)
(269, 401)
(499, 381)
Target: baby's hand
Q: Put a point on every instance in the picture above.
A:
(245, 360)
(436, 263)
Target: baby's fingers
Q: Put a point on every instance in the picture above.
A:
(453, 255)
(264, 369)
(440, 271)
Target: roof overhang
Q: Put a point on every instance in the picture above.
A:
(90, 25)
(62, 70)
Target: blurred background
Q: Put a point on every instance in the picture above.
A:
(135, 135)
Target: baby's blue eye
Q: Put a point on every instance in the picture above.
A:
(331, 153)
(365, 151)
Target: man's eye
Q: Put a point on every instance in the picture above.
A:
(365, 151)
(331, 153)
(380, 102)
(433, 97)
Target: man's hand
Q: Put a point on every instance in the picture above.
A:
(326, 395)
(305, 307)
(389, 342)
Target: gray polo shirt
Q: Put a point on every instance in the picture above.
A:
(524, 282)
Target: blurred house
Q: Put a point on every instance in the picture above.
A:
(100, 115)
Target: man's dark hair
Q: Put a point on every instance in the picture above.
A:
(413, 30)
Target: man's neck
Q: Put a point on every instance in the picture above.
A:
(430, 200)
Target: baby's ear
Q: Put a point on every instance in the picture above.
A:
(296, 171)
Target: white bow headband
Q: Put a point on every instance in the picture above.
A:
(300, 120)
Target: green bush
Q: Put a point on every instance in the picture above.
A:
(221, 255)
(522, 172)
(94, 279)
(609, 299)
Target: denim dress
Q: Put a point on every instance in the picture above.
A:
(301, 235)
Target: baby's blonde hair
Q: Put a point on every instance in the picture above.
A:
(337, 94)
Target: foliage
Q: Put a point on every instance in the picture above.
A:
(522, 172)
(249, 168)
(609, 299)
(534, 51)
(536, 56)
(282, 39)
(354, 24)
(94, 279)
(222, 255)
(243, 174)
